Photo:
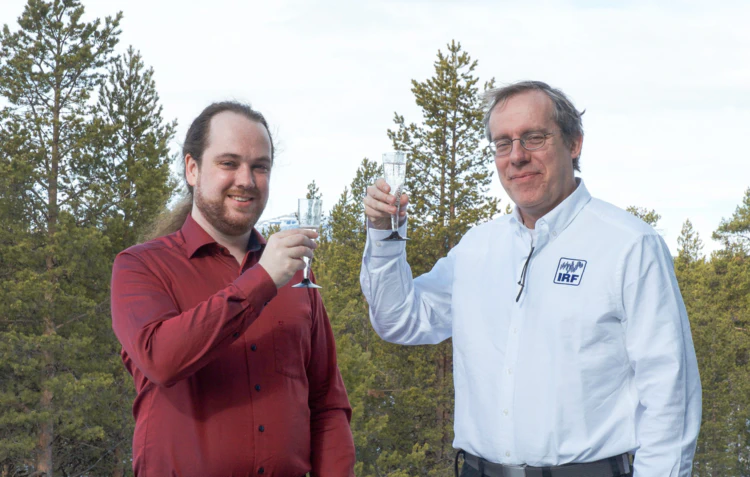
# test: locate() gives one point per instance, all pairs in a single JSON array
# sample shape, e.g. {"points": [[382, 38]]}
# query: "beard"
{"points": [[216, 213]]}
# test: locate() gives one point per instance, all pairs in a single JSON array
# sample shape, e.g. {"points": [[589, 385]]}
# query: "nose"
{"points": [[518, 154], [244, 177]]}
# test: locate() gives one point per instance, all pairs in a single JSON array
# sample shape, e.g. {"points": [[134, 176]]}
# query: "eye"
{"points": [[262, 168], [227, 163], [502, 143], [534, 139], [503, 146]]}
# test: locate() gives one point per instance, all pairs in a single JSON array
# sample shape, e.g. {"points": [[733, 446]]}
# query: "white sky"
{"points": [[666, 88]]}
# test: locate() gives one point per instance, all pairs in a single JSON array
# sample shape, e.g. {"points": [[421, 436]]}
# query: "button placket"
{"points": [[507, 381]]}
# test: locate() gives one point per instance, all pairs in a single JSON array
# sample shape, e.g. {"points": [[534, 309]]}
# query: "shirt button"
{"points": [[515, 330], [377, 244], [507, 454], [257, 387], [505, 411], [261, 428], [236, 335], [554, 233], [253, 347], [261, 470], [510, 371]]}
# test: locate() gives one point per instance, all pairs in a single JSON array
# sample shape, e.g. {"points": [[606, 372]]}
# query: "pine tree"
{"points": [[49, 66], [137, 157], [313, 192], [339, 257], [690, 245], [734, 233], [81, 180], [448, 175], [716, 294], [648, 216]]}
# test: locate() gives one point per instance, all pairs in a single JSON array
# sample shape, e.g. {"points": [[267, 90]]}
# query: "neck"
{"points": [[236, 244], [529, 217]]}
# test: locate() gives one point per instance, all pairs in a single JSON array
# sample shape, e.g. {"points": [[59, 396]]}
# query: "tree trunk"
{"points": [[46, 429], [119, 467]]}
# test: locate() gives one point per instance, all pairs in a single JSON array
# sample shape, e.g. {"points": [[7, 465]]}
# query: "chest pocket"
{"points": [[291, 343]]}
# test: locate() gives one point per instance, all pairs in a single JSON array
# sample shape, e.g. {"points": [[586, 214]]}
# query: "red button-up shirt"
{"points": [[233, 377]]}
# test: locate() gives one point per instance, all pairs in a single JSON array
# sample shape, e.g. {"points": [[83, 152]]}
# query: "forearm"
{"points": [[403, 310], [168, 344], [332, 444]]}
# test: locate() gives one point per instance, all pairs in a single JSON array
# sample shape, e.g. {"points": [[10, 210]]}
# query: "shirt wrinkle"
{"points": [[216, 358], [548, 380]]}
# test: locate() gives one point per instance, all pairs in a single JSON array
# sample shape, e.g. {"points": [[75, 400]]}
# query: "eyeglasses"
{"points": [[530, 142]]}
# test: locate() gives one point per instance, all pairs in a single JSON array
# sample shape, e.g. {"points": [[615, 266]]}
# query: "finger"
{"points": [[380, 195], [288, 233], [300, 251], [404, 199], [297, 240], [313, 234], [382, 185], [377, 209]]}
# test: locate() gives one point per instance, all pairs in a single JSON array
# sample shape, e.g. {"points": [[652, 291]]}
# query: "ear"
{"points": [[191, 170], [575, 146]]}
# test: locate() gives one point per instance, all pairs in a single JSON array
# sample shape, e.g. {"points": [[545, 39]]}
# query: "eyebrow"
{"points": [[528, 131], [237, 157]]}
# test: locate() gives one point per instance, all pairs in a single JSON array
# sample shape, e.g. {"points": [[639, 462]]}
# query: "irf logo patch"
{"points": [[570, 271]]}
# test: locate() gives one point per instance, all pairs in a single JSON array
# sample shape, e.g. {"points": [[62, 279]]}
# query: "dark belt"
{"points": [[611, 467]]}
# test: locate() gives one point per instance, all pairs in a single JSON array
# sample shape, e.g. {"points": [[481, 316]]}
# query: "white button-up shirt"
{"points": [[594, 359]]}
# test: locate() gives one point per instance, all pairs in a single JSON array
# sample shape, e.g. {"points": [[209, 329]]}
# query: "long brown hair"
{"points": [[196, 140]]}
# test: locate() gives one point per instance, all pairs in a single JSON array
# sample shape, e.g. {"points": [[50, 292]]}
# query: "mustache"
{"points": [[244, 191]]}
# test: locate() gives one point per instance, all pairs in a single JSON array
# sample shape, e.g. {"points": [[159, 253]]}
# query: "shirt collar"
{"points": [[556, 220], [196, 238]]}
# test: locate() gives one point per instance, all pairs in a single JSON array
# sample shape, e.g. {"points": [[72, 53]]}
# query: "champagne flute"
{"points": [[394, 173], [308, 214]]}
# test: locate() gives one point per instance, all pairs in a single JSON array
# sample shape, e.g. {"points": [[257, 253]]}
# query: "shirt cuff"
{"points": [[378, 248], [256, 286]]}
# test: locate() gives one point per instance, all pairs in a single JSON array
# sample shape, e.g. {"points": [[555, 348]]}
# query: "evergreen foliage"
{"points": [[83, 167]]}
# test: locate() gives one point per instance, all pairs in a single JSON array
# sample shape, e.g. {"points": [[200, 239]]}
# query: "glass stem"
{"points": [[306, 271], [394, 218]]}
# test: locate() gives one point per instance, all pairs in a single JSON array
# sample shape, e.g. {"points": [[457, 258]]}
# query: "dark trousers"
{"points": [[469, 471]]}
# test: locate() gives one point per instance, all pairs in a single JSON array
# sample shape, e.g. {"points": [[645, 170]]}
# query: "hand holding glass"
{"points": [[308, 214], [394, 173]]}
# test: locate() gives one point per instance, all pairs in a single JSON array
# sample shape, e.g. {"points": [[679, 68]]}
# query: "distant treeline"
{"points": [[84, 170]]}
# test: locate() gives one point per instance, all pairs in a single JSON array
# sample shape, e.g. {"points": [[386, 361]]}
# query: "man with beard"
{"points": [[235, 371]]}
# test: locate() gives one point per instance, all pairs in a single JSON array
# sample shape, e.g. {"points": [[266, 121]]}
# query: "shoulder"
{"points": [[158, 249], [603, 217], [629, 240]]}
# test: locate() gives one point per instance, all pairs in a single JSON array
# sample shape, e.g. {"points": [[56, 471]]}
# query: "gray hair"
{"points": [[566, 116]]}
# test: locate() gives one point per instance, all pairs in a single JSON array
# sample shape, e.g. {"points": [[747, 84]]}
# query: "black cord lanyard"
{"points": [[522, 280]]}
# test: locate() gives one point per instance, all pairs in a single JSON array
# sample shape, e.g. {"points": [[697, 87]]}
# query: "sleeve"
{"points": [[166, 344], [661, 353], [405, 310], [331, 441]]}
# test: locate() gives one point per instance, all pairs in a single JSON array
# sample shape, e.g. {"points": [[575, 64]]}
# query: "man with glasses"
{"points": [[572, 348]]}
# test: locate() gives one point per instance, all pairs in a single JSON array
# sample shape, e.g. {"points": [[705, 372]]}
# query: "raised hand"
{"points": [[380, 205], [282, 257]]}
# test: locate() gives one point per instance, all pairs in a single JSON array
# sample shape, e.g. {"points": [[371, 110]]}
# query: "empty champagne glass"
{"points": [[309, 213], [394, 173]]}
